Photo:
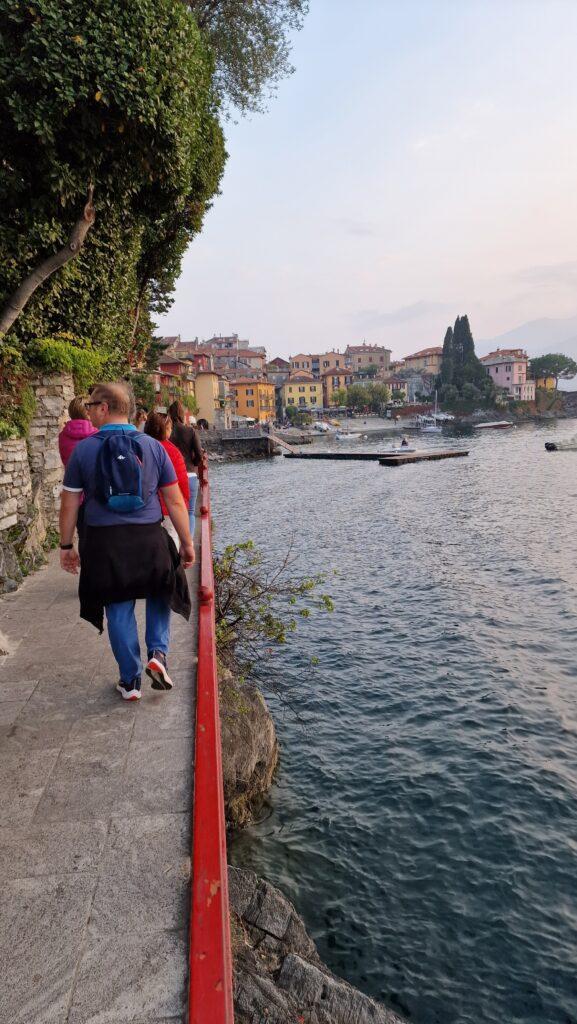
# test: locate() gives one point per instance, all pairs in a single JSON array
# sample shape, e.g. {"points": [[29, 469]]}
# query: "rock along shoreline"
{"points": [[279, 977]]}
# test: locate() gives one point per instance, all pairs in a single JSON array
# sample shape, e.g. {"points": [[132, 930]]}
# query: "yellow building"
{"points": [[302, 391], [213, 399], [428, 359], [333, 380], [545, 382], [254, 398]]}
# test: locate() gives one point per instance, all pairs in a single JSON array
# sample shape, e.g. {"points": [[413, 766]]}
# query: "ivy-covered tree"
{"points": [[109, 128]]}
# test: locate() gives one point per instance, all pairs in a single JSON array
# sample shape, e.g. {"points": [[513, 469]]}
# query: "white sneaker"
{"points": [[131, 690]]}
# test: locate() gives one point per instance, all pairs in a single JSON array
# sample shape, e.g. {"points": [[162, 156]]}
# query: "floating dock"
{"points": [[403, 460], [342, 456], [385, 458]]}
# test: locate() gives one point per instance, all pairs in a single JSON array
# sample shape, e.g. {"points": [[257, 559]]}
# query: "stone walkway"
{"points": [[95, 799]]}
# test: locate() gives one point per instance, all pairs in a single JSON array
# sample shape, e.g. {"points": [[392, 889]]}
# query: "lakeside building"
{"points": [[253, 398], [548, 383], [360, 357], [302, 391], [428, 360], [333, 380], [317, 363], [277, 370], [507, 368], [213, 399]]}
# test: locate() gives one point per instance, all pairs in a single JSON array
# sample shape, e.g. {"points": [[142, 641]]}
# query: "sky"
{"points": [[420, 163]]}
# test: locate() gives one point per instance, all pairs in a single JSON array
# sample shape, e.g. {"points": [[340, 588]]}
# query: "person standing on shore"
{"points": [[126, 554], [186, 440]]}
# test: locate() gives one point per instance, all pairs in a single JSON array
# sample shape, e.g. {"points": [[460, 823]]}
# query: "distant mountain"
{"points": [[537, 337]]}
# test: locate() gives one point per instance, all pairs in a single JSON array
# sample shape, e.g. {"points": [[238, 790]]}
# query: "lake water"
{"points": [[425, 816]]}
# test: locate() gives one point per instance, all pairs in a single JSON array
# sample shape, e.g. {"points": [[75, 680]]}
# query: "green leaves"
{"points": [[259, 603], [121, 96]]}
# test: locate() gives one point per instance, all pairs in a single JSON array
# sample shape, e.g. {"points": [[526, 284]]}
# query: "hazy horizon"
{"points": [[418, 165]]}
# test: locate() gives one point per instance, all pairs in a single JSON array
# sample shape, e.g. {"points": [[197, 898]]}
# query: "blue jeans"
{"points": [[193, 484], [123, 633]]}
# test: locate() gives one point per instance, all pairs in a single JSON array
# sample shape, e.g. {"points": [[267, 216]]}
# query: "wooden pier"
{"points": [[385, 458], [403, 460]]}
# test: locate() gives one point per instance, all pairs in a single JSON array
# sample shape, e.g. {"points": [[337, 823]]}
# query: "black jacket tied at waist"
{"points": [[123, 563]]}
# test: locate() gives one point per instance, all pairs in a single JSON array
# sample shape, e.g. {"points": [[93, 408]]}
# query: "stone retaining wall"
{"points": [[53, 395], [15, 482], [30, 480]]}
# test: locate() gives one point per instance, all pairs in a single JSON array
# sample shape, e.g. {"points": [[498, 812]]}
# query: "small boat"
{"points": [[570, 445], [430, 424], [346, 437], [497, 425]]}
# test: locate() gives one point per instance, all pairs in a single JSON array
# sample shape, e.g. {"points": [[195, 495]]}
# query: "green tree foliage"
{"points": [[555, 365], [119, 96], [339, 397], [251, 43], [370, 397], [447, 360], [258, 603], [463, 378]]}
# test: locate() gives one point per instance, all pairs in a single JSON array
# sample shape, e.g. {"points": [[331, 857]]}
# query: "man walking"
{"points": [[126, 554]]}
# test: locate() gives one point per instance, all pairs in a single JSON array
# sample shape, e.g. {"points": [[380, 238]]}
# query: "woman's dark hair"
{"points": [[155, 426], [176, 412]]}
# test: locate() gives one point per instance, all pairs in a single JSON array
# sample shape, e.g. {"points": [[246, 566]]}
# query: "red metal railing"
{"points": [[210, 985]]}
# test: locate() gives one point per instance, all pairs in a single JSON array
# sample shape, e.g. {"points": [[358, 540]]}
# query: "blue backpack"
{"points": [[119, 472]]}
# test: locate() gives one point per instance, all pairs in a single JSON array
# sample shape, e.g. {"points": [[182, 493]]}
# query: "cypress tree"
{"points": [[459, 334], [447, 360]]}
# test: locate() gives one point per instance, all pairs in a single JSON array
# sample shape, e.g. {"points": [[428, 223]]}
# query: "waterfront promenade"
{"points": [[95, 801]]}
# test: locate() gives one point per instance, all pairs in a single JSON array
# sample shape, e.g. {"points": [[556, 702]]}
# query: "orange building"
{"points": [[254, 398], [333, 380]]}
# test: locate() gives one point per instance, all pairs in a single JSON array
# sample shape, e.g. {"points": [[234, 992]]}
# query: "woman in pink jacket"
{"points": [[77, 428]]}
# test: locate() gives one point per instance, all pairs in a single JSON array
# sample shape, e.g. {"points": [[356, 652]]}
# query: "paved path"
{"points": [[95, 798]]}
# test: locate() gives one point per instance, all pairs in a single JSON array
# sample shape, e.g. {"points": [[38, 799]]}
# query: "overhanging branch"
{"points": [[44, 270]]}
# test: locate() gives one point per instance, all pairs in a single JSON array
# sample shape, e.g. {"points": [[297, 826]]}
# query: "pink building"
{"points": [[507, 368]]}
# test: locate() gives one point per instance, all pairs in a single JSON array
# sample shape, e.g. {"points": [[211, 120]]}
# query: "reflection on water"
{"points": [[425, 817]]}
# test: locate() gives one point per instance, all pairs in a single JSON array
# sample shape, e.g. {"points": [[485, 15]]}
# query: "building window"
{"points": [[250, 391], [508, 369], [313, 401], [496, 369], [250, 404], [337, 363], [290, 389], [326, 364], [301, 389], [313, 387], [291, 401], [302, 401], [382, 359]]}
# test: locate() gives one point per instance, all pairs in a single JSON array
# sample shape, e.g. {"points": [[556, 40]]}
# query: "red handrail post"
{"points": [[210, 980]]}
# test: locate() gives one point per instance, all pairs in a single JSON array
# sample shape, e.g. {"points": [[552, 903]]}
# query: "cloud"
{"points": [[369, 319], [549, 275]]}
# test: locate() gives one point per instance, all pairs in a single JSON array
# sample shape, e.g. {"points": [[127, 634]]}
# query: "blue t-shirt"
{"points": [[80, 475]]}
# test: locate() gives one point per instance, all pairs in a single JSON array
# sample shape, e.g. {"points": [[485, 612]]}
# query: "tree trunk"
{"points": [[25, 291]]}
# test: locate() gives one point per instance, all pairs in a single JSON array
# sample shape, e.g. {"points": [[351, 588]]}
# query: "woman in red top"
{"points": [[160, 427]]}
